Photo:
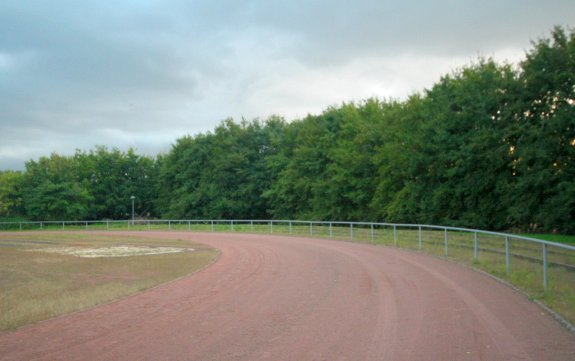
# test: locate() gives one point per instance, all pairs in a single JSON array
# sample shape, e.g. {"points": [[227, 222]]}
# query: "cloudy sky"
{"points": [[141, 73]]}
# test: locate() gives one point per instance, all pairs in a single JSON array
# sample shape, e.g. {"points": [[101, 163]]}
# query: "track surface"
{"points": [[285, 298]]}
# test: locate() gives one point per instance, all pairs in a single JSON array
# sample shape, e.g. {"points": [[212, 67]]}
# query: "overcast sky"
{"points": [[142, 73]]}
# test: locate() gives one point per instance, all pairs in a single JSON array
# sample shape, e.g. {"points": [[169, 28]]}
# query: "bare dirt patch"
{"points": [[117, 251]]}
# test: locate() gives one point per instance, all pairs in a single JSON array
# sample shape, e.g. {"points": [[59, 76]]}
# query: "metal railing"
{"points": [[508, 256]]}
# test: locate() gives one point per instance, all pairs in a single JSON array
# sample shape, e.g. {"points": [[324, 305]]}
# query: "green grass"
{"points": [[36, 285], [559, 238]]}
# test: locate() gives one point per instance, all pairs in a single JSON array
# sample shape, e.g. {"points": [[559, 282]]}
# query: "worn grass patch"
{"points": [[39, 285]]}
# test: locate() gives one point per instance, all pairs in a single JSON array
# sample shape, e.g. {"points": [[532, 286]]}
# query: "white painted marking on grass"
{"points": [[118, 251]]}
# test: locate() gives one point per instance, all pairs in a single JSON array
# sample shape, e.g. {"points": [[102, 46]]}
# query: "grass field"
{"points": [[37, 285]]}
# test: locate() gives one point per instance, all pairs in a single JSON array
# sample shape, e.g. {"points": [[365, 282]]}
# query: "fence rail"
{"points": [[505, 255]]}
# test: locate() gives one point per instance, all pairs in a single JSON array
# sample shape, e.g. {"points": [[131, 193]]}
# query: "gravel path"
{"points": [[286, 298]]}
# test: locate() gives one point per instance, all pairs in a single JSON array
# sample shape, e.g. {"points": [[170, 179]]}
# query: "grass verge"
{"points": [[36, 286], [559, 238]]}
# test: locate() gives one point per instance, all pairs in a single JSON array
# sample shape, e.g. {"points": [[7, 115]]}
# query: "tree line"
{"points": [[489, 146]]}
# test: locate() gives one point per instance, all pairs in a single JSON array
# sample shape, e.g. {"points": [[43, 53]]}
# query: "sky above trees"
{"points": [[143, 73]]}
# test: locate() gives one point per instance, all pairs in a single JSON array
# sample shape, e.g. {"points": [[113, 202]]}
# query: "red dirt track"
{"points": [[287, 298]]}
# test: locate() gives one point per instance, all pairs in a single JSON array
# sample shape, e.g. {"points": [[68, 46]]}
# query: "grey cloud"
{"points": [[337, 31], [78, 73]]}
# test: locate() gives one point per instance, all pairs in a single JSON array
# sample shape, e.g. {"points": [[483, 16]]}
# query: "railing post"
{"points": [[330, 231], [290, 227], [372, 238], [271, 226], [351, 231], [86, 225], [189, 225], [41, 226], [420, 238], [107, 225], [506, 254], [311, 229], [252, 226], [394, 235], [446, 244], [212, 226], [63, 226], [20, 226], [169, 225], [232, 226], [545, 284], [149, 225], [475, 246]]}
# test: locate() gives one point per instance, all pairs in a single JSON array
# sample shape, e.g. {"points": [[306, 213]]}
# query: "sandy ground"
{"points": [[117, 251], [284, 298]]}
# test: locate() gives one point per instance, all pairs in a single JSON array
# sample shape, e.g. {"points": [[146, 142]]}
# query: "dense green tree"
{"points": [[60, 201], [221, 174], [352, 171], [544, 137], [330, 173], [11, 194], [112, 177], [52, 190], [446, 160], [400, 164], [92, 185], [300, 189]]}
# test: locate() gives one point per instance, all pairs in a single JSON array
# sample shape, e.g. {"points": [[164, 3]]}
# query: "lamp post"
{"points": [[132, 198]]}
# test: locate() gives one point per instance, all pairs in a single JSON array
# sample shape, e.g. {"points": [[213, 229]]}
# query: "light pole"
{"points": [[132, 198]]}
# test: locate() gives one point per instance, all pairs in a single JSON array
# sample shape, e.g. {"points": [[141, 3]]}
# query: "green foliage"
{"points": [[10, 194], [51, 190], [330, 172], [93, 185], [50, 201], [544, 133], [112, 177], [446, 160], [221, 174]]}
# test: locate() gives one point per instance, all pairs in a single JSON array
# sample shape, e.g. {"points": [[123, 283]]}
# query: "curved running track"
{"points": [[286, 298]]}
